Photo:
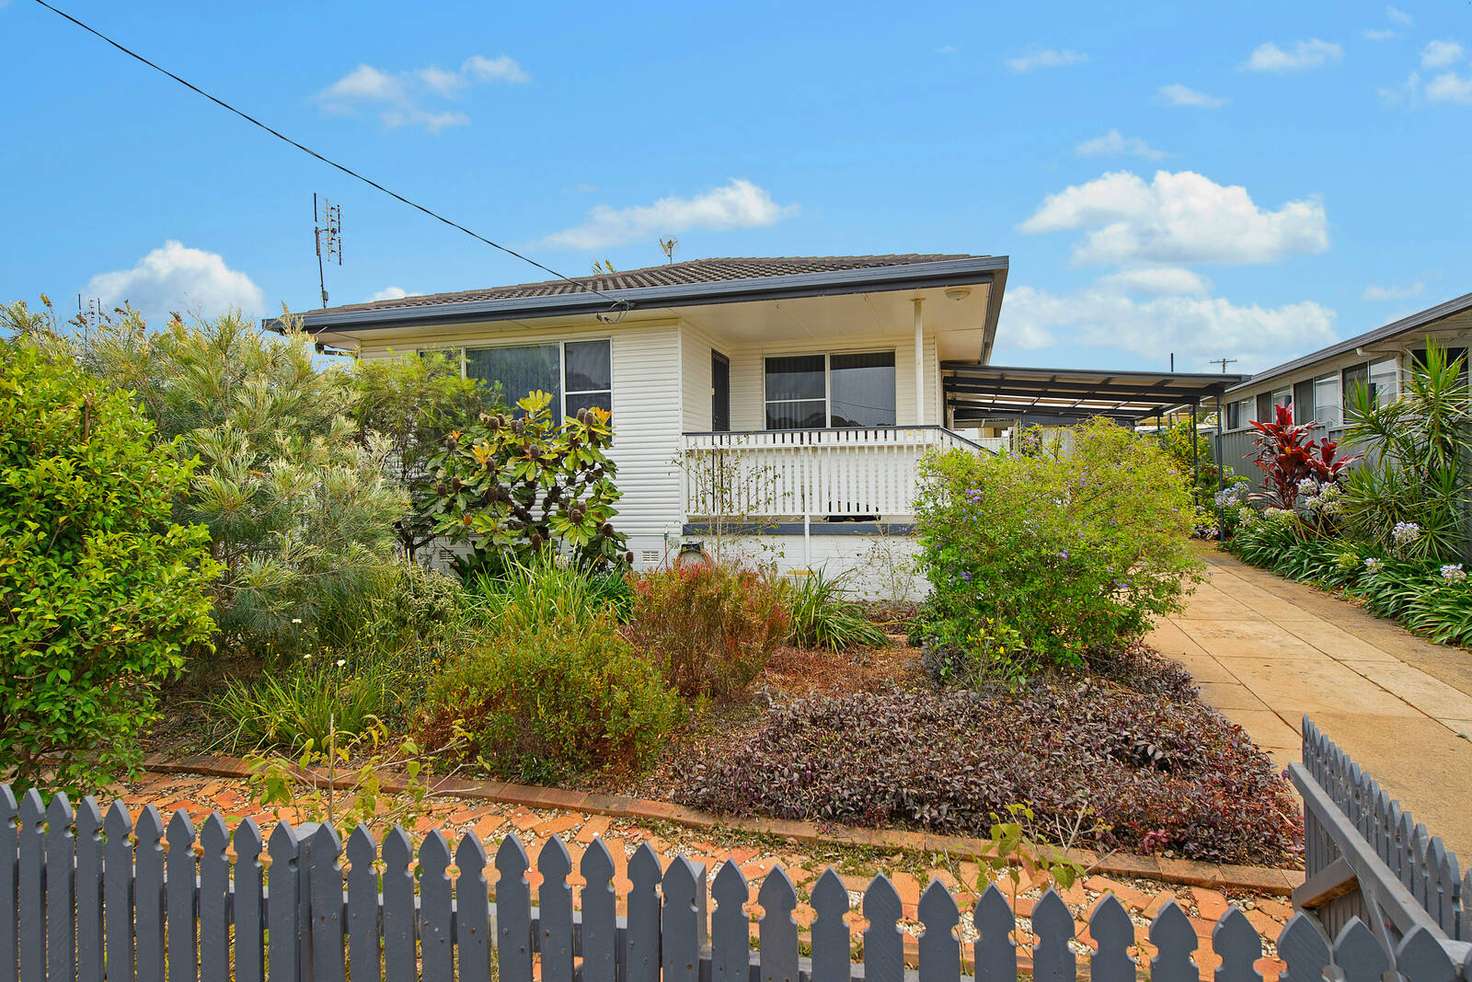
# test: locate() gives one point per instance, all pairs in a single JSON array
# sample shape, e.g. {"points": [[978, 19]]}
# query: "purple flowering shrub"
{"points": [[1047, 558]]}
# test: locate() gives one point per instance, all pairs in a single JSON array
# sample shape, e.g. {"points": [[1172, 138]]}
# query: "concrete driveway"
{"points": [[1266, 650]]}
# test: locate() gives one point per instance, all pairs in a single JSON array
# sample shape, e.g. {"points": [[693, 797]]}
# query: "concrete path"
{"points": [[1265, 650]]}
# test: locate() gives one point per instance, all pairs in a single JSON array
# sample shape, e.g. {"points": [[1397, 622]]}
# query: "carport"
{"points": [[998, 395]]}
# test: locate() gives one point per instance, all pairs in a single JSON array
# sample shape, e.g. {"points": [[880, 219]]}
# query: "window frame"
{"points": [[561, 344], [1394, 362], [828, 386], [1337, 402], [1246, 409]]}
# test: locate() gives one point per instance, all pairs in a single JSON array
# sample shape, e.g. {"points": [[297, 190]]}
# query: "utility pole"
{"points": [[327, 231]]}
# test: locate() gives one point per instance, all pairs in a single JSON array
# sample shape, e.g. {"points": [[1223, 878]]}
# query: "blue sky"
{"points": [[1249, 181]]}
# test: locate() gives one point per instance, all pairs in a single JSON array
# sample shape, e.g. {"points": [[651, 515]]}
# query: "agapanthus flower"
{"points": [[1453, 573], [1373, 565], [1405, 533]]}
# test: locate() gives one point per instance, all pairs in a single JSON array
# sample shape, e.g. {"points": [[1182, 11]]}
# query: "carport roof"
{"points": [[980, 392]]}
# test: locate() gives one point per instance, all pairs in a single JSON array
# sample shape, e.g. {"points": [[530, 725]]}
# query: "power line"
{"points": [[621, 305]]}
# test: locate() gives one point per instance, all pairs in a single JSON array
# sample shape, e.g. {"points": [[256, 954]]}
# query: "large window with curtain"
{"points": [[816, 391], [579, 374]]}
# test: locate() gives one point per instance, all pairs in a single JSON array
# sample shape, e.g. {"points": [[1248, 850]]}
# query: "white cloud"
{"points": [[1116, 144], [1440, 54], [1402, 291], [1167, 280], [1397, 16], [392, 293], [1178, 217], [1046, 58], [1195, 328], [406, 98], [1406, 93], [176, 278], [737, 204], [947, 49], [1179, 95], [1378, 34], [502, 68], [1299, 56], [1450, 87]]}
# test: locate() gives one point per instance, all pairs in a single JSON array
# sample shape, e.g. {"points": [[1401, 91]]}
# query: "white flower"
{"points": [[1405, 533], [1308, 486], [307, 656], [1453, 573], [296, 620], [1373, 565], [341, 662]]}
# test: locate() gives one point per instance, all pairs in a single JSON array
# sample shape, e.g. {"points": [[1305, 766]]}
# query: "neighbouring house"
{"points": [[1318, 385], [778, 405]]}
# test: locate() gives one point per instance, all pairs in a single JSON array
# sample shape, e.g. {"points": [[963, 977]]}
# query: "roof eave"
{"points": [[980, 269], [1456, 305]]}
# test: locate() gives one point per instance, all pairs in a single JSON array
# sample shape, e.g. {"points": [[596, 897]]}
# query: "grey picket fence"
{"points": [[1367, 858], [85, 898]]}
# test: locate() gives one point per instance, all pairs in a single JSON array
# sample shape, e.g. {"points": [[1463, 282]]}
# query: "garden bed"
{"points": [[1125, 756]]}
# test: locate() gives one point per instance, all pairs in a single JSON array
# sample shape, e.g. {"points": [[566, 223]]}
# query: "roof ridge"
{"points": [[712, 269]]}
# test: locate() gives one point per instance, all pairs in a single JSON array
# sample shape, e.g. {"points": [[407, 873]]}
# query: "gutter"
{"points": [[914, 276], [1361, 343]]}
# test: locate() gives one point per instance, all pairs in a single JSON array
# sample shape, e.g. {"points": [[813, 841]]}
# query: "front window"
{"points": [[814, 391], [579, 374], [861, 389], [796, 393], [1326, 400]]}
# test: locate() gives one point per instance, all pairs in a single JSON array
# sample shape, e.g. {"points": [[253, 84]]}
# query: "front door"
{"points": [[720, 392]]}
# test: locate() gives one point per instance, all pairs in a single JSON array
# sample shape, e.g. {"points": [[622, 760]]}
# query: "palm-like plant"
{"points": [[1416, 472]]}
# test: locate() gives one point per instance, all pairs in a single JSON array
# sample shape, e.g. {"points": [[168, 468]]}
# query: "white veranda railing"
{"points": [[845, 472]]}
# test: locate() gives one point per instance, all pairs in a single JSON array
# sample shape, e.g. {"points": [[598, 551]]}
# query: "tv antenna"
{"points": [[668, 246], [1224, 362], [89, 314], [327, 230]]}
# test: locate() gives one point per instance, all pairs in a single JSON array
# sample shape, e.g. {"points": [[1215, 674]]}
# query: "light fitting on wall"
{"points": [[958, 293]]}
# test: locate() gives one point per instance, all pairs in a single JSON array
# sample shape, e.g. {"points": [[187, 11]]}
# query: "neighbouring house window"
{"points": [[814, 391], [861, 389], [1351, 379], [1384, 381], [1283, 397], [1238, 413], [579, 374], [1327, 405], [1264, 412]]}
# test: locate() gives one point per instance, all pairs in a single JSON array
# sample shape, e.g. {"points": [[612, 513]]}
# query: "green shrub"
{"points": [[549, 586], [300, 514], [822, 615], [1075, 551], [515, 485], [553, 689], [711, 629], [1410, 494], [102, 592], [286, 706], [414, 402]]}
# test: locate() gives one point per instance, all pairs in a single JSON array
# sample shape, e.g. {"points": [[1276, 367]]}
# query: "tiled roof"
{"points": [[692, 271]]}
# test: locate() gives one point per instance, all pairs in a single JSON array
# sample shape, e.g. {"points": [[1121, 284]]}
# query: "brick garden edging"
{"points": [[1258, 879]]}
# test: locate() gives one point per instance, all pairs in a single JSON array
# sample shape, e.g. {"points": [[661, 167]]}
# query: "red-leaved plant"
{"points": [[1287, 453]]}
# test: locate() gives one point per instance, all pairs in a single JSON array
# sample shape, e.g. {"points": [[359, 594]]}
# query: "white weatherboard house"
{"points": [[787, 400]]}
